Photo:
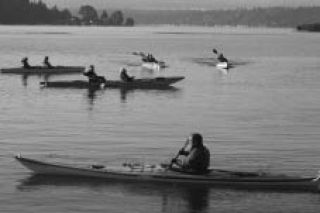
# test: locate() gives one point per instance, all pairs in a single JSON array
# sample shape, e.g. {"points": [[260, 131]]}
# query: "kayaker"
{"points": [[151, 58], [93, 77], [124, 75], [220, 56], [91, 74], [145, 58], [196, 159], [47, 63], [25, 63]]}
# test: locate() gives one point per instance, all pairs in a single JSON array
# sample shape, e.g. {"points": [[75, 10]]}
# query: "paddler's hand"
{"points": [[174, 160], [182, 152]]}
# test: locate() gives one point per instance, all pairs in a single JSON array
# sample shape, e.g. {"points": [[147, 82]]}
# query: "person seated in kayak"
{"points": [[47, 63], [196, 159], [124, 75], [221, 58], [25, 63], [93, 77], [145, 58], [151, 58]]}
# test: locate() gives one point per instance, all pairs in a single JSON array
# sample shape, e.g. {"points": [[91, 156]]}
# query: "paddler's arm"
{"points": [[177, 161]]}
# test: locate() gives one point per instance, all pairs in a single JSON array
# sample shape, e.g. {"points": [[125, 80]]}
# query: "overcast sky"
{"points": [[181, 4]]}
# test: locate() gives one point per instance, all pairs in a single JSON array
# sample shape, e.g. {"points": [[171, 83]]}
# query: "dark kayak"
{"points": [[145, 83], [155, 173], [44, 70]]}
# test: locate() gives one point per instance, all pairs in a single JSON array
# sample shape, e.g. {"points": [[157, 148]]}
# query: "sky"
{"points": [[180, 4]]}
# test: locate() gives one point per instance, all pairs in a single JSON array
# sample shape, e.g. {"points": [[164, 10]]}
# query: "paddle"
{"points": [[178, 154], [220, 58], [142, 54], [215, 51]]}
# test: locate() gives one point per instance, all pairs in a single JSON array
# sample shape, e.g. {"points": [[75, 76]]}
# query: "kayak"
{"points": [[144, 83], [154, 65], [223, 65], [44, 70], [156, 173]]}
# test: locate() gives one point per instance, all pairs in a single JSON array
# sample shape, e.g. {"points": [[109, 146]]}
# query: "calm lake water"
{"points": [[261, 115]]}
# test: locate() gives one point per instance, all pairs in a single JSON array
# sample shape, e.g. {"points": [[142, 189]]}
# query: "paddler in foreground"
{"points": [[220, 56], [195, 160], [93, 77]]}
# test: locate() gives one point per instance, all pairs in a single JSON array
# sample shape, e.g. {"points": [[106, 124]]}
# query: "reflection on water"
{"points": [[135, 196], [92, 93], [173, 197], [197, 198], [163, 197], [166, 90], [223, 72], [25, 80], [25, 77], [45, 77]]}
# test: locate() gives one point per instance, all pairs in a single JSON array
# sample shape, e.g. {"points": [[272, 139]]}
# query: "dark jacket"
{"points": [[125, 77], [25, 63], [92, 76], [47, 63], [221, 58], [197, 159]]}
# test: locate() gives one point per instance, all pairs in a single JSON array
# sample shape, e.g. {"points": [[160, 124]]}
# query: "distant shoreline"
{"points": [[309, 27], [274, 17], [261, 17]]}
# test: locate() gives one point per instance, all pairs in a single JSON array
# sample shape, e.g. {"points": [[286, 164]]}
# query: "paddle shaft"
{"points": [[215, 51], [178, 154]]}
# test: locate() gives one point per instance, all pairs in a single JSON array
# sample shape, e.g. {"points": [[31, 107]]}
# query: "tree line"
{"points": [[89, 16], [31, 12], [37, 12], [267, 17]]}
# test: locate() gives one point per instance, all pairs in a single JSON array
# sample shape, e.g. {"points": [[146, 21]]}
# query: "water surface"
{"points": [[261, 115]]}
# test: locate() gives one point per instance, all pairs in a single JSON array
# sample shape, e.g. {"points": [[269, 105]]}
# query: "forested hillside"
{"points": [[270, 17]]}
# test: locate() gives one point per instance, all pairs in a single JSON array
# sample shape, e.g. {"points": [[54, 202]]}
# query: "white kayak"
{"points": [[154, 173], [154, 65], [44, 70], [223, 65]]}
